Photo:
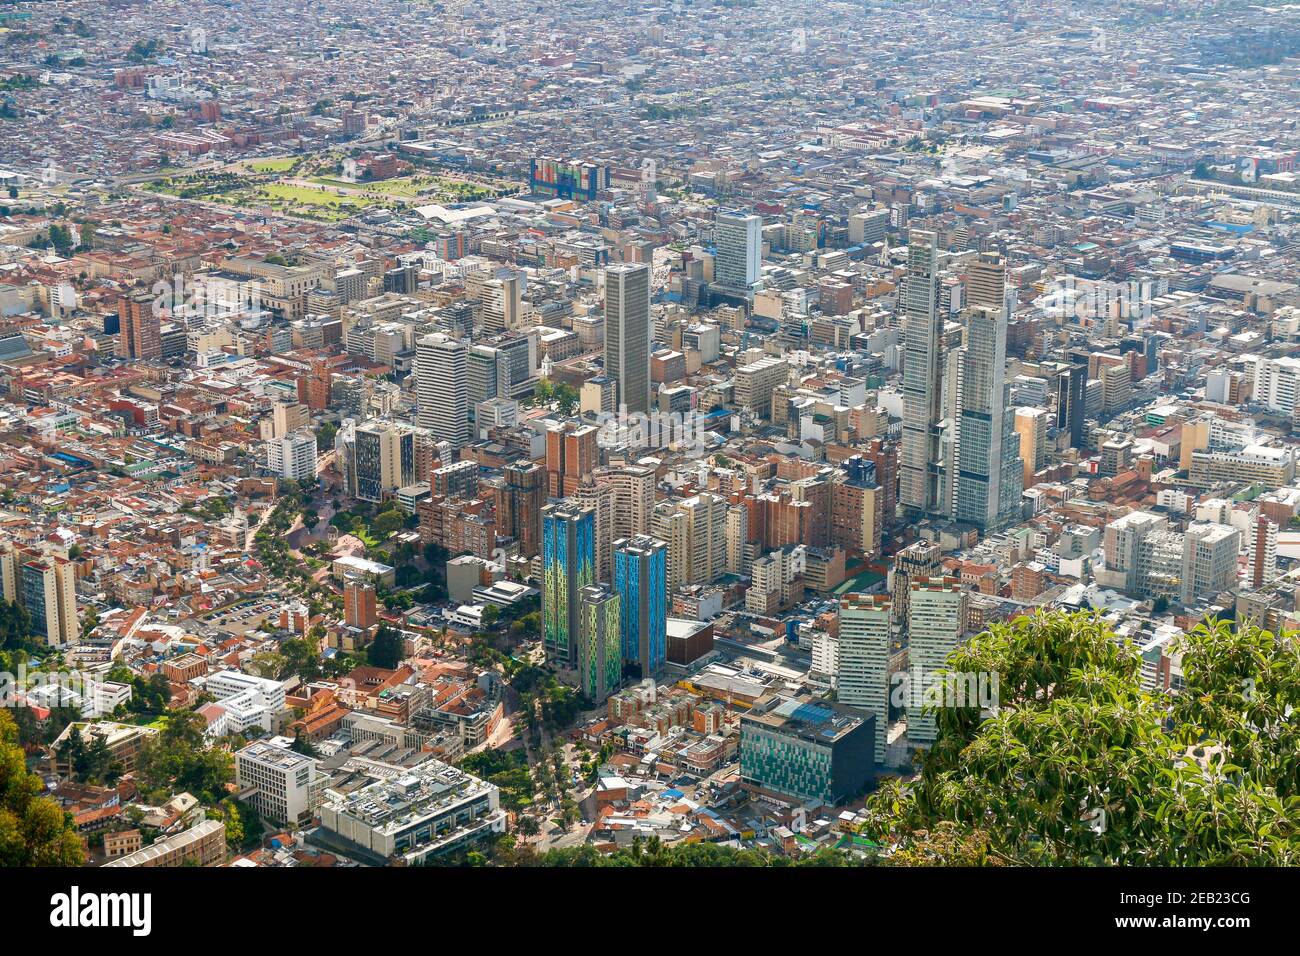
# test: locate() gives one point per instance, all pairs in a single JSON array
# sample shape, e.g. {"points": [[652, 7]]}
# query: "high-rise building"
{"points": [[293, 456], [857, 508], [921, 461], [628, 333], [519, 511], [1209, 560], [600, 650], [599, 499], [568, 566], [641, 580], [441, 380], [1072, 401], [285, 417], [383, 459], [359, 604], [936, 620], [1031, 431], [141, 335], [738, 238], [918, 561], [862, 670], [506, 368], [47, 589], [571, 456], [987, 284], [695, 530], [1263, 552], [989, 473], [502, 305], [634, 497]]}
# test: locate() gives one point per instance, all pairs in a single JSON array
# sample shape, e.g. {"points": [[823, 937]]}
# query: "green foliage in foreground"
{"points": [[506, 852], [1081, 766], [34, 831]]}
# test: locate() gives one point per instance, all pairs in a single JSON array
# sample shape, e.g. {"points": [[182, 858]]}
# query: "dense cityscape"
{"points": [[714, 433]]}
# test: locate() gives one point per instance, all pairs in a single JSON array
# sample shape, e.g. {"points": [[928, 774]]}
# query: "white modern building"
{"points": [[442, 388], [738, 239], [936, 620], [862, 674], [284, 787]]}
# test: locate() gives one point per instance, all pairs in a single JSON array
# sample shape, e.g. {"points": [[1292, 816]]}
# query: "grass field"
{"points": [[280, 164], [323, 197]]}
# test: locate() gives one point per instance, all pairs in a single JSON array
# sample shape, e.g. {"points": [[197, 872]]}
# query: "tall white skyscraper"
{"points": [[936, 619], [989, 473], [862, 670], [442, 388], [920, 488], [738, 239], [627, 333]]}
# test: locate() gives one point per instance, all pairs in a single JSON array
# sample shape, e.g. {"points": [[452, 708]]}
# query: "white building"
{"points": [[286, 786], [293, 456], [243, 702], [866, 641], [738, 238], [442, 388], [936, 619]]}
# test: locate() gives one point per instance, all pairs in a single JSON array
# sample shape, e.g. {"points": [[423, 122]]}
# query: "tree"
{"points": [[180, 758], [34, 831], [388, 523], [301, 745], [1079, 765], [302, 655], [387, 649]]}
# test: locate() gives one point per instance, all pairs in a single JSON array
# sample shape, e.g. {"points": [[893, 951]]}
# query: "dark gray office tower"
{"points": [[627, 333]]}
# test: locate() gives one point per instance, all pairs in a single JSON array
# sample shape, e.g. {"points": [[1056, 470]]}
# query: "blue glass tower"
{"points": [[641, 581], [568, 566]]}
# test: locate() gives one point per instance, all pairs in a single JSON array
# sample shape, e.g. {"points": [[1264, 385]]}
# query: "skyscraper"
{"points": [[987, 283], [600, 651], [920, 464], [738, 239], [936, 619], [918, 561], [501, 304], [989, 471], [441, 381], [141, 334], [866, 643], [519, 512], [1071, 399], [641, 580], [568, 566], [47, 590], [383, 459], [627, 333]]}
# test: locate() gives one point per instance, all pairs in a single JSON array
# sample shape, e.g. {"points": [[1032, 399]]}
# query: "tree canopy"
{"points": [[34, 831], [1083, 764]]}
